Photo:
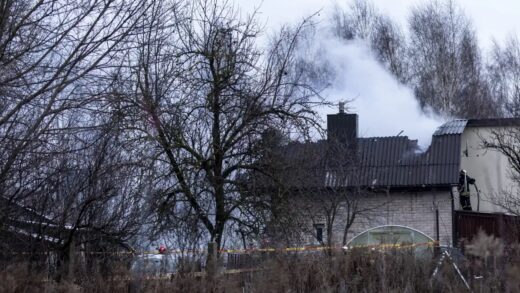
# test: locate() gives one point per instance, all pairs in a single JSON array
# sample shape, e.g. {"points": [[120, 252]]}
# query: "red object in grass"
{"points": [[162, 249]]}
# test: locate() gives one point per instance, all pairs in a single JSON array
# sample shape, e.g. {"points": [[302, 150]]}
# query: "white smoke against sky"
{"points": [[384, 106]]}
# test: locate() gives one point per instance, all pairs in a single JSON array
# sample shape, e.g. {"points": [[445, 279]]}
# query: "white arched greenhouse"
{"points": [[392, 236]]}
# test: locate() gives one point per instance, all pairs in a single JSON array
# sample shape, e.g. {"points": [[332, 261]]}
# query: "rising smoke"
{"points": [[385, 106]]}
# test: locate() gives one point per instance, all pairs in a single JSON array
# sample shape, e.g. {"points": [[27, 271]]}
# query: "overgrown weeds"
{"points": [[489, 267]]}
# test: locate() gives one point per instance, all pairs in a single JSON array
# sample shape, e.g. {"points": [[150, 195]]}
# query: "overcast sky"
{"points": [[492, 18], [385, 107]]}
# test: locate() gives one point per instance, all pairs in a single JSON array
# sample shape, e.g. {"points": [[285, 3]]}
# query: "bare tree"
{"points": [[361, 20], [52, 55], [312, 64], [88, 197], [64, 180], [504, 76], [314, 186], [389, 44], [338, 197], [447, 70], [357, 22], [96, 195], [507, 142], [204, 100], [439, 58]]}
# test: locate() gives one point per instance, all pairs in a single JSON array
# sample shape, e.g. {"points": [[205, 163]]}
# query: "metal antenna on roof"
{"points": [[400, 132]]}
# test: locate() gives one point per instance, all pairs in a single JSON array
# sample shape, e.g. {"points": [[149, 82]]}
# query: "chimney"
{"points": [[343, 127]]}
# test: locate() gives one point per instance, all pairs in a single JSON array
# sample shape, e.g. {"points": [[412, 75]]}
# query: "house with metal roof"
{"points": [[403, 185], [26, 231]]}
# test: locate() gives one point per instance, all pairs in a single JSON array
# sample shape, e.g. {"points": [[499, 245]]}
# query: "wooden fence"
{"points": [[469, 223]]}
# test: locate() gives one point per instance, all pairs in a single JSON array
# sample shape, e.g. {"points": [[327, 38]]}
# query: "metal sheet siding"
{"points": [[396, 161], [392, 161], [468, 224]]}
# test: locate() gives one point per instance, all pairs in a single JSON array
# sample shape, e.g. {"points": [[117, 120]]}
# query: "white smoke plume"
{"points": [[385, 107]]}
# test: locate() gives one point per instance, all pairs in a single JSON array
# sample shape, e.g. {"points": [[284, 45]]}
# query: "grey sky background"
{"points": [[493, 19], [385, 107]]}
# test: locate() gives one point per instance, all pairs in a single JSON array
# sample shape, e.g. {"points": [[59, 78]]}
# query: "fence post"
{"points": [[71, 262], [437, 249], [211, 262]]}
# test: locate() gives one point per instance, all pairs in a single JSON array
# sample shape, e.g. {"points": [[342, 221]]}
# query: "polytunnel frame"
{"points": [[386, 226]]}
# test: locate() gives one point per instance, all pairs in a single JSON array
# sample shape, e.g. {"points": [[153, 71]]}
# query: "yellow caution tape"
{"points": [[251, 250]]}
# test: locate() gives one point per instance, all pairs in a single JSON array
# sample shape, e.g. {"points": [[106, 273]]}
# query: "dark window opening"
{"points": [[319, 232]]}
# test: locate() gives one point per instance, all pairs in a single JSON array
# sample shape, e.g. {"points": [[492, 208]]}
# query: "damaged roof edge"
{"points": [[451, 127]]}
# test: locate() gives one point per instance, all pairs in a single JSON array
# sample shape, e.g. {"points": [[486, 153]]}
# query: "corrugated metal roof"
{"points": [[379, 162], [452, 127], [396, 162]]}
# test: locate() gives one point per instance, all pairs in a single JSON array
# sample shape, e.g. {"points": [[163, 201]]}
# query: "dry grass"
{"points": [[357, 271]]}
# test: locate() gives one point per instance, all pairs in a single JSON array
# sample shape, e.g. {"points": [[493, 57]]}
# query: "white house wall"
{"points": [[412, 209], [489, 168]]}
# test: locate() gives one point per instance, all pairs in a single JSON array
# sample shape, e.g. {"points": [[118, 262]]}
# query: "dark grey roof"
{"points": [[394, 161], [397, 162], [379, 162], [491, 122], [452, 127]]}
